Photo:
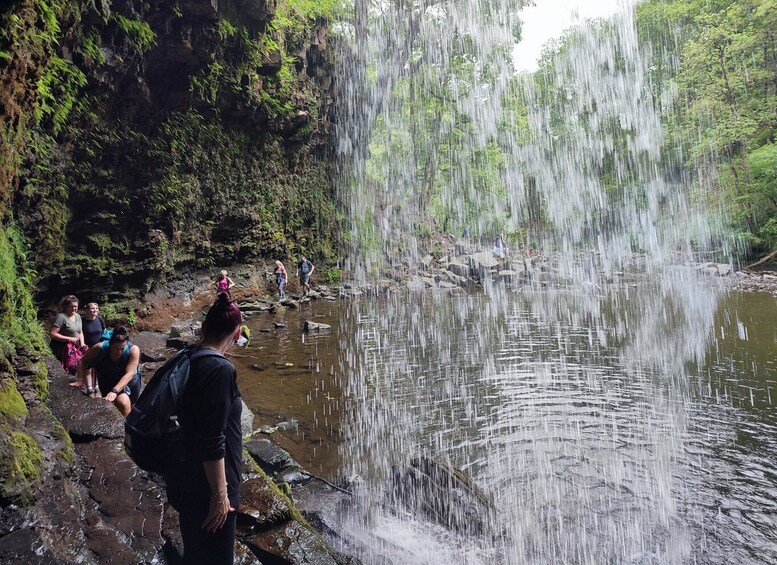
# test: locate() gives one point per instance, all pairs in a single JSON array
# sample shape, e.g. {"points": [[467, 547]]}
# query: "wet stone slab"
{"points": [[128, 505], [83, 417]]}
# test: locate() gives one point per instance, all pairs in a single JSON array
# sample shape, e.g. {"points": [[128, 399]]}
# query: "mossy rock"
{"points": [[11, 402], [20, 466]]}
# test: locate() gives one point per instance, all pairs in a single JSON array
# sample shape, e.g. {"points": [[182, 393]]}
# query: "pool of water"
{"points": [[623, 423]]}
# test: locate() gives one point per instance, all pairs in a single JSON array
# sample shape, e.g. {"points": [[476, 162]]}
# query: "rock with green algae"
{"points": [[11, 402], [21, 464]]}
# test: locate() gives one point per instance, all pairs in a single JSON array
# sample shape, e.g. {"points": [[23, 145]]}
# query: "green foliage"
{"points": [[90, 47], [108, 313], [138, 32], [295, 17], [58, 92], [19, 327], [762, 193], [131, 318], [226, 29], [726, 81], [333, 276]]}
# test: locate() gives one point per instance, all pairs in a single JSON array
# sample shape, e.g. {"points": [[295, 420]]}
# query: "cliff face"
{"points": [[138, 137], [177, 134]]}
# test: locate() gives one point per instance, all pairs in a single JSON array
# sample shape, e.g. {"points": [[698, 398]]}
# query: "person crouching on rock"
{"points": [[116, 368], [205, 489]]}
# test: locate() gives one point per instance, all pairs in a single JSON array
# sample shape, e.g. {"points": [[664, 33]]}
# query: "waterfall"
{"points": [[565, 403], [439, 133]]}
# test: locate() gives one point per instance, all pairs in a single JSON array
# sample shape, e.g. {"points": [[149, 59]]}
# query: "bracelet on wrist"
{"points": [[221, 493], [116, 392]]}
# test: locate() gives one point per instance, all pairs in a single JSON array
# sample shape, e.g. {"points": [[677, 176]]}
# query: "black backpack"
{"points": [[153, 436]]}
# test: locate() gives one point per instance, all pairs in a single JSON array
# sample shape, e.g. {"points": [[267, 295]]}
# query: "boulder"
{"points": [[180, 342], [458, 269], [289, 303], [316, 327], [269, 456], [482, 261], [416, 283], [291, 542], [444, 494], [254, 306], [429, 282], [262, 504], [246, 420], [724, 269]]}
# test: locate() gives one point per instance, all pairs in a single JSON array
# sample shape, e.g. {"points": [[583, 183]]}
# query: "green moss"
{"points": [[40, 381], [66, 454], [20, 465], [11, 402]]}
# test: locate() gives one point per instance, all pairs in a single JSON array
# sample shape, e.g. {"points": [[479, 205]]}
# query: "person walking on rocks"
{"points": [[304, 269], [500, 250], [116, 365], [224, 283], [205, 489], [280, 278]]}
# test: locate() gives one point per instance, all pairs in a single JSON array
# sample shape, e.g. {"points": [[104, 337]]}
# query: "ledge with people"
{"points": [[203, 488]]}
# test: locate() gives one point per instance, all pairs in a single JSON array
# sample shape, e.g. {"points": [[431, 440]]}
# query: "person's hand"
{"points": [[111, 396], [74, 340], [218, 509]]}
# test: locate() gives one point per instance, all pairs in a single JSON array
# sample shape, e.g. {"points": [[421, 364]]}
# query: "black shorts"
{"points": [[304, 279], [132, 389]]}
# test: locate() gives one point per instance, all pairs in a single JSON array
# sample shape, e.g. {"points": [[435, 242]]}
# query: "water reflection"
{"points": [[625, 424]]}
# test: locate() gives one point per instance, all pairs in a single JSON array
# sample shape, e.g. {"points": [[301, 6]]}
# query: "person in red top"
{"points": [[224, 283]]}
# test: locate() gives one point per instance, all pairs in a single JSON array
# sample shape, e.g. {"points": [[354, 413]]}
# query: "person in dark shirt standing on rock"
{"points": [[205, 489], [304, 269], [93, 325]]}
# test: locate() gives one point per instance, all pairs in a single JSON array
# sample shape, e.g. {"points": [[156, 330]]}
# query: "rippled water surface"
{"points": [[629, 423]]}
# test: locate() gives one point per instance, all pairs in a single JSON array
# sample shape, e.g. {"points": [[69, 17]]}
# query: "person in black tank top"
{"points": [[93, 324], [116, 368]]}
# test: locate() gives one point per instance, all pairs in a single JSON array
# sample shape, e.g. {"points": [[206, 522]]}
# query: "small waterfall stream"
{"points": [[571, 404]]}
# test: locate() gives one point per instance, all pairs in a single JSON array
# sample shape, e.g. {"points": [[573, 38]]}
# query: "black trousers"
{"points": [[204, 548]]}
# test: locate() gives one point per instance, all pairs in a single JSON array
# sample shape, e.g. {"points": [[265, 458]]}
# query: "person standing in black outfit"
{"points": [[205, 489], [93, 325]]}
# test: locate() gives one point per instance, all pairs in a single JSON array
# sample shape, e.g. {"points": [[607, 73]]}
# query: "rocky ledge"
{"points": [[91, 504]]}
